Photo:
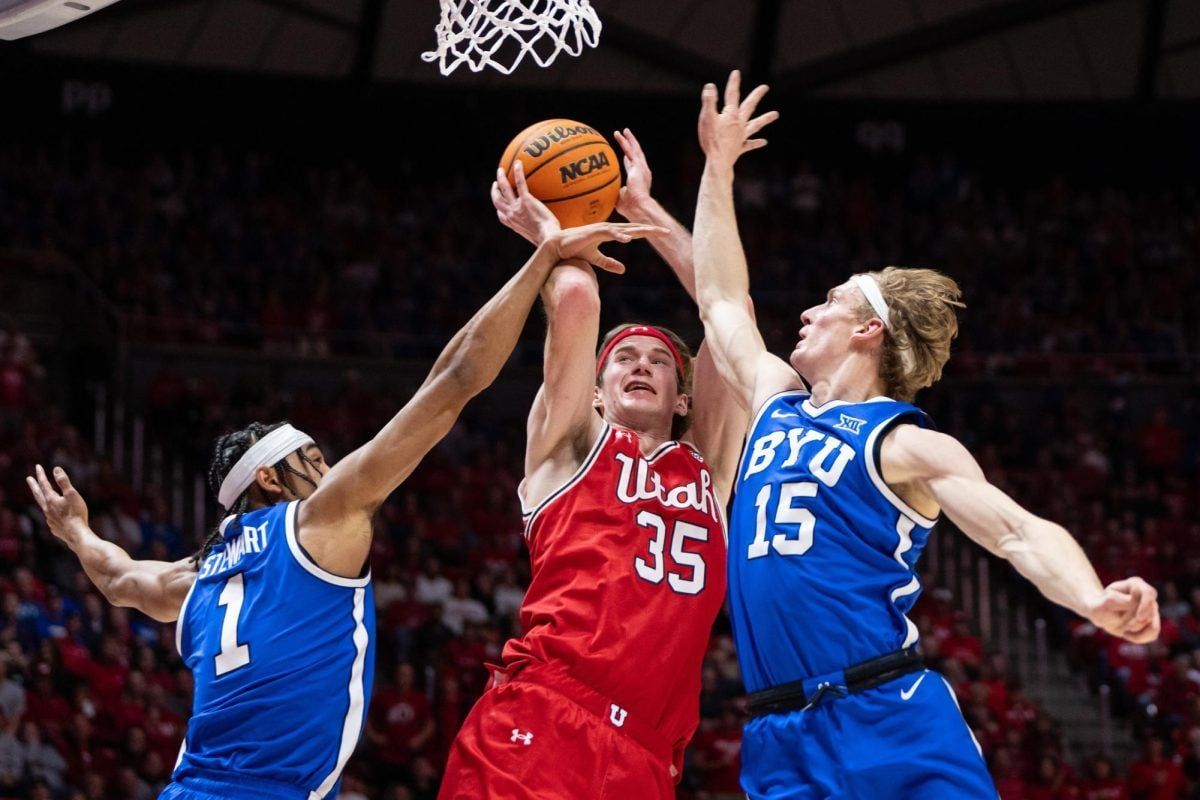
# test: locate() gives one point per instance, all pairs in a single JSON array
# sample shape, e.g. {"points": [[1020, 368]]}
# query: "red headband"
{"points": [[639, 330]]}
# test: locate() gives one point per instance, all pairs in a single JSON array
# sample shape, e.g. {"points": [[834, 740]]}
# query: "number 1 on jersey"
{"points": [[233, 655], [785, 514]]}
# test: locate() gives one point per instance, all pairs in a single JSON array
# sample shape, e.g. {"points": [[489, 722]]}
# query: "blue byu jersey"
{"points": [[283, 656], [821, 551]]}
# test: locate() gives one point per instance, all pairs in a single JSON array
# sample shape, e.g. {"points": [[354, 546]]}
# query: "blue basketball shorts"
{"points": [[232, 787], [905, 739]]}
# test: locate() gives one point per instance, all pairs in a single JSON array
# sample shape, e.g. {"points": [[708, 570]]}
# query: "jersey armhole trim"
{"points": [[754, 425], [304, 560], [874, 442], [179, 621], [531, 516]]}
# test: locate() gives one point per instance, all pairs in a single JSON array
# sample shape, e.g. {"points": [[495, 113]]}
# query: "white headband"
{"points": [[870, 289], [266, 452]]}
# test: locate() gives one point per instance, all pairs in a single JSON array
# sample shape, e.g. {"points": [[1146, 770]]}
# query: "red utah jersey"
{"points": [[628, 575]]}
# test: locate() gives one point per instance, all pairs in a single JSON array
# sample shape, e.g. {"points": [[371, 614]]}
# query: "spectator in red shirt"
{"points": [[717, 753], [1021, 711], [1154, 776], [1054, 781], [400, 725], [1160, 441], [1009, 783], [962, 644], [44, 705], [1102, 784]]}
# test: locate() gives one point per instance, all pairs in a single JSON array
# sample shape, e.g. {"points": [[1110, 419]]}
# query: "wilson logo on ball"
{"points": [[569, 166], [583, 166], [542, 143]]}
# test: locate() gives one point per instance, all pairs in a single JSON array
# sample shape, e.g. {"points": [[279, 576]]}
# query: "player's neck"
{"points": [[854, 380], [649, 442], [649, 439]]}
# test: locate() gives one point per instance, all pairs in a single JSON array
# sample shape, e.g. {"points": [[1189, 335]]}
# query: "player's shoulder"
{"points": [[782, 404], [688, 450]]}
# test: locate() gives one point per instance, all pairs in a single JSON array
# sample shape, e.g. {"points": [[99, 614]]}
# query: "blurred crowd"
{"points": [[257, 250], [248, 251]]}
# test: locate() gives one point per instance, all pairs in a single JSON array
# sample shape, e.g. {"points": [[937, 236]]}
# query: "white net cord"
{"points": [[500, 33]]}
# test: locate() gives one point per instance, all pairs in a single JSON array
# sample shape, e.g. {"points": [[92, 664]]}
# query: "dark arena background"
{"points": [[219, 211]]}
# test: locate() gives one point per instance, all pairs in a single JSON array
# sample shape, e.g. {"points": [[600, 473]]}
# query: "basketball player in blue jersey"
{"points": [[275, 615], [838, 489]]}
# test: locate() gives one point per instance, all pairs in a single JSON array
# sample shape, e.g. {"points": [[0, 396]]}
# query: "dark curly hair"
{"points": [[227, 449]]}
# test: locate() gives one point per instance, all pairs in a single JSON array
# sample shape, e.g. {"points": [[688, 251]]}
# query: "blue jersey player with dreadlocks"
{"points": [[839, 487], [275, 615]]}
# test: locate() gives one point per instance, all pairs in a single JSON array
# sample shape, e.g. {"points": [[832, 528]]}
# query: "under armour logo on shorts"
{"points": [[524, 738], [617, 715]]}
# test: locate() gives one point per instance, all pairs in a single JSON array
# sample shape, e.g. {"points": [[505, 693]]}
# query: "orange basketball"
{"points": [[570, 167]]}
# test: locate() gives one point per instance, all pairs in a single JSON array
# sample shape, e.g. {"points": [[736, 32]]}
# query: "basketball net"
{"points": [[500, 33]]}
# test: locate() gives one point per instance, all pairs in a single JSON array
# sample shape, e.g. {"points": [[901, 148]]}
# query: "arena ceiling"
{"points": [[873, 49]]}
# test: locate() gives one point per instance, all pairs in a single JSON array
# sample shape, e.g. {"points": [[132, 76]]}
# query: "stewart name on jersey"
{"points": [[283, 658]]}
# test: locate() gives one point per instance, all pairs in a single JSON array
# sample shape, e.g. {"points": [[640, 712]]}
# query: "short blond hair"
{"points": [[683, 378], [923, 306]]}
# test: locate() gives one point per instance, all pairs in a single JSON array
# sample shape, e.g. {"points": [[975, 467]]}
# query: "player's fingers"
{"points": [[753, 144], [36, 491], [64, 482], [606, 263], [620, 137], [634, 144], [1144, 633], [43, 482], [733, 89], [503, 185], [752, 100], [761, 121], [1147, 609], [638, 231], [497, 198], [627, 231], [708, 98], [519, 179]]}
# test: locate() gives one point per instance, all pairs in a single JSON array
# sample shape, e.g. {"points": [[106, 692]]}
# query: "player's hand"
{"points": [[66, 513], [584, 242], [519, 210], [635, 194], [727, 133], [1128, 609]]}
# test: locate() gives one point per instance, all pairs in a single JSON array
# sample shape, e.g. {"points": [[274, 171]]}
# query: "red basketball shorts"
{"points": [[548, 736]]}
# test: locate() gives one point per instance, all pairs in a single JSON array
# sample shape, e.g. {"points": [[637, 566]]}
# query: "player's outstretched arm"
{"points": [[719, 422], [1044, 552], [562, 422], [334, 523], [156, 588], [718, 416], [722, 278]]}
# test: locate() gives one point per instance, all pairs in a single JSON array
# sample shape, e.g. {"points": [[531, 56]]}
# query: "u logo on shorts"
{"points": [[617, 715]]}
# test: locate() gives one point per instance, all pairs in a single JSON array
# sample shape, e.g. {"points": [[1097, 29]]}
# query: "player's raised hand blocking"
{"points": [[529, 217], [635, 194], [584, 242], [728, 132], [1128, 609]]}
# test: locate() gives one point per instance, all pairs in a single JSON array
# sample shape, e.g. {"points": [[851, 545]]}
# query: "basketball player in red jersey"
{"points": [[625, 525]]}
